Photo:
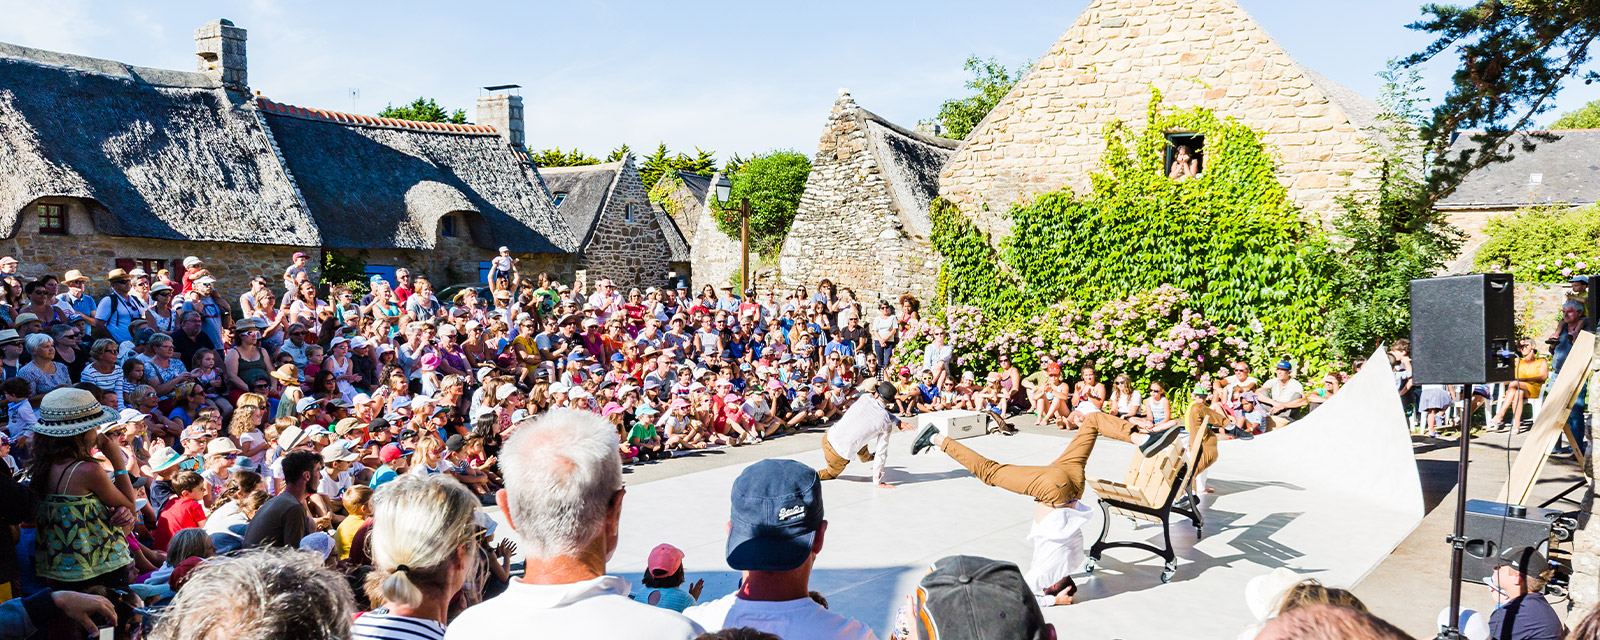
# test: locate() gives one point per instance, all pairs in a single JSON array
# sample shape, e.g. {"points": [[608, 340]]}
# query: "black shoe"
{"points": [[1238, 433], [924, 439], [1158, 441]]}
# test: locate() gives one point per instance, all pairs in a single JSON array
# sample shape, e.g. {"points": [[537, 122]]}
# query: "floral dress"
{"points": [[75, 539]]}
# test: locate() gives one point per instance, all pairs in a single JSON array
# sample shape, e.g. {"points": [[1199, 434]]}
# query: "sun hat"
{"points": [[973, 598], [24, 318], [204, 280], [68, 412], [317, 431], [1262, 592], [243, 463], [400, 403], [318, 542], [505, 391], [732, 398], [290, 437], [556, 387], [665, 560], [680, 403], [579, 393], [117, 274], [220, 446], [430, 362], [645, 411], [164, 458], [159, 287], [8, 336], [346, 425], [775, 513], [74, 275], [338, 452], [611, 409]]}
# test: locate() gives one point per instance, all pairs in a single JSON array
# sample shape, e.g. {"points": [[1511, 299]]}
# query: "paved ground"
{"points": [[1408, 589]]}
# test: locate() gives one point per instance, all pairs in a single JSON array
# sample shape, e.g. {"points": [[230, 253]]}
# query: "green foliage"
{"points": [[773, 182], [990, 82], [1543, 244], [619, 153], [1587, 117], [663, 162], [1385, 239], [558, 158], [735, 164], [339, 270], [424, 110], [661, 194], [1230, 239], [1514, 56]]}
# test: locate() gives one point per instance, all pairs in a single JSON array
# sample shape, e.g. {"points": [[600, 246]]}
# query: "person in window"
{"points": [[1184, 165]]}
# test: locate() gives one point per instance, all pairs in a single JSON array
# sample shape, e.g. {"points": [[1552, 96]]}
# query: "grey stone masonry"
{"points": [[503, 111], [628, 245], [220, 53]]}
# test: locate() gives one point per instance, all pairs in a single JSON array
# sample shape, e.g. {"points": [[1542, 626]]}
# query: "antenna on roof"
{"points": [[355, 94], [508, 88]]}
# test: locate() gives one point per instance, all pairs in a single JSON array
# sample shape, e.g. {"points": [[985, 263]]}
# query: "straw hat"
{"points": [[290, 437], [1262, 592], [287, 374], [74, 275], [68, 412]]}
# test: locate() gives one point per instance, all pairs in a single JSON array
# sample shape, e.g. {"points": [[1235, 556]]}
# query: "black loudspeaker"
{"points": [[1492, 528], [1593, 305], [1463, 329]]}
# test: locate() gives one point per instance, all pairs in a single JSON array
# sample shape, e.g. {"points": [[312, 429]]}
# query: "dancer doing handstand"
{"points": [[1057, 531], [863, 431]]}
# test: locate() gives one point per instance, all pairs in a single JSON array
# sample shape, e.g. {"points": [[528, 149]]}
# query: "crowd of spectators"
{"points": [[197, 465]]}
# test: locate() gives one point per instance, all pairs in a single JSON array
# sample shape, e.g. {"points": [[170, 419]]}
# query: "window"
{"points": [[1185, 155], [150, 265], [447, 226], [383, 271], [52, 219], [559, 196], [483, 271], [627, 212]]}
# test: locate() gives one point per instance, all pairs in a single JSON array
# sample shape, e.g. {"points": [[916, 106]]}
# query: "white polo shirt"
{"points": [[789, 619], [597, 608]]}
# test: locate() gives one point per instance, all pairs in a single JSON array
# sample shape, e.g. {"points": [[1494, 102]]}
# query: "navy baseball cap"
{"points": [[777, 510]]}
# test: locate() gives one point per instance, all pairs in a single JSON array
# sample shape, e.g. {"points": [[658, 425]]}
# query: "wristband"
{"points": [[119, 472]]}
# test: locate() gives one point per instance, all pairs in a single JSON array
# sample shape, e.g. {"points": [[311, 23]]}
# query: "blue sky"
{"points": [[726, 76]]}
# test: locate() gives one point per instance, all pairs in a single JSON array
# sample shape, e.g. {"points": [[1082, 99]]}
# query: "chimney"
{"points": [[501, 108], [219, 47]]}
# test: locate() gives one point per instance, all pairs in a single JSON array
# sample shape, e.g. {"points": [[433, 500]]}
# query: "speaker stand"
{"points": [[1458, 541]]}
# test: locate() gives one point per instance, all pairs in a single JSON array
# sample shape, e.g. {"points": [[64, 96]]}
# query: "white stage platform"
{"points": [[1333, 518]]}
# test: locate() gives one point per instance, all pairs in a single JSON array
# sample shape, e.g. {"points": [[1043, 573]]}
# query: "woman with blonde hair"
{"points": [[424, 548]]}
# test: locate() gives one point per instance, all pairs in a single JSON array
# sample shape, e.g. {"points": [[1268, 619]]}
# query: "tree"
{"points": [[618, 153], [663, 161], [991, 81], [773, 183], [424, 110], [735, 164], [1515, 55], [558, 158], [1385, 239], [1587, 117]]}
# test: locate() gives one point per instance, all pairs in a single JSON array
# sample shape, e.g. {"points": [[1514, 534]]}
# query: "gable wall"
{"points": [[846, 229], [713, 256], [631, 254], [1047, 133]]}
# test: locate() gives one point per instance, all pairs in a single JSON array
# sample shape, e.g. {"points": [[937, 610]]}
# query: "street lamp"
{"points": [[725, 191]]}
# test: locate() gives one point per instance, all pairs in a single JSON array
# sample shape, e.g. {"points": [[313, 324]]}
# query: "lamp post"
{"points": [[725, 191]]}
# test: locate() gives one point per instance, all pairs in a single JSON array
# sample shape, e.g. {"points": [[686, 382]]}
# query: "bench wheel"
{"points": [[1168, 571], [1090, 565]]}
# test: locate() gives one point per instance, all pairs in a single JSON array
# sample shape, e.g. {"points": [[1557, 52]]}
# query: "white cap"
{"points": [[190, 262], [338, 452], [204, 280], [505, 250]]}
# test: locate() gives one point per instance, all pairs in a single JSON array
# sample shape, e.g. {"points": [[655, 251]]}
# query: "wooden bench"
{"points": [[1148, 492]]}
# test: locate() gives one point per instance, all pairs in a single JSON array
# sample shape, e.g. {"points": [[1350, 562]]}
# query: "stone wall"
{"points": [[713, 255], [632, 253], [847, 228], [1047, 132]]}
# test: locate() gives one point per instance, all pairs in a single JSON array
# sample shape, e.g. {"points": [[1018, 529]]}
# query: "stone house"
{"points": [[1047, 133], [863, 218], [619, 235], [713, 255], [104, 165], [1561, 172]]}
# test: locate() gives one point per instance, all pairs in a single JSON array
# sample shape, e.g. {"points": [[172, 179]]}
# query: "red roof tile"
{"points": [[357, 119]]}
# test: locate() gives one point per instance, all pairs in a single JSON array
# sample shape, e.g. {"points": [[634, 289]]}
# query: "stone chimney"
{"points": [[502, 110], [219, 49]]}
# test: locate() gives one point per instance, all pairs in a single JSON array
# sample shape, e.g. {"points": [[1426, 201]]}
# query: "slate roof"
{"points": [[382, 183], [1565, 171], [161, 154], [698, 185], [588, 188]]}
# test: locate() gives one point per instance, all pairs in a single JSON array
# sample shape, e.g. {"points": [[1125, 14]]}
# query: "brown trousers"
{"points": [[836, 462], [1057, 483], [1196, 421]]}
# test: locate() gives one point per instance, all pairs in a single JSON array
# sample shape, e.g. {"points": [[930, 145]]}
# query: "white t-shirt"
{"points": [[1284, 391], [597, 608], [791, 619], [333, 487]]}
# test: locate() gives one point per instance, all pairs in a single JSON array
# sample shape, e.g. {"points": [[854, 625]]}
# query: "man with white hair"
{"points": [[863, 432], [563, 495]]}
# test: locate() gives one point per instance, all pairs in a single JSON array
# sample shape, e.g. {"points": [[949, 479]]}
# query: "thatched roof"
{"points": [[380, 183], [676, 242], [160, 154], [588, 188], [910, 164], [1564, 171]]}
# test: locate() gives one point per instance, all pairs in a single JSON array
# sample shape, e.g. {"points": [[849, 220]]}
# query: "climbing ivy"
{"points": [[1230, 239]]}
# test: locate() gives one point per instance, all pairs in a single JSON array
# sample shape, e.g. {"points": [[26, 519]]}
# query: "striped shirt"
{"points": [[379, 624]]}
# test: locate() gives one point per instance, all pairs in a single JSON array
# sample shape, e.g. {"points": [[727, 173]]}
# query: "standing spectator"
{"points": [[261, 595], [191, 336], [205, 299], [282, 521], [885, 332], [605, 299], [402, 284], [564, 496], [117, 310], [424, 546], [421, 305], [82, 509], [776, 532]]}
